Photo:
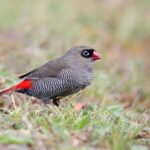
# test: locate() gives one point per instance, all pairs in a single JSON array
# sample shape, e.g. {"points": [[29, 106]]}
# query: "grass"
{"points": [[65, 128], [111, 114]]}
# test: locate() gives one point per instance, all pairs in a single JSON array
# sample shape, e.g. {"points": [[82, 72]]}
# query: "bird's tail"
{"points": [[6, 91], [26, 84]]}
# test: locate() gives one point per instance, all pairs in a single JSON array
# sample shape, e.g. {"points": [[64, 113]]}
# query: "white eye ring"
{"points": [[86, 53]]}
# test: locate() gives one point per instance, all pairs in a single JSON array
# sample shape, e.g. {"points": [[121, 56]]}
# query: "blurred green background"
{"points": [[35, 31]]}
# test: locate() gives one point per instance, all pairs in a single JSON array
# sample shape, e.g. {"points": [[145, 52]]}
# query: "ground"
{"points": [[111, 114]]}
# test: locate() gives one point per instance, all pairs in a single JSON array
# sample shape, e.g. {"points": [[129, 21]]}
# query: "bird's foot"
{"points": [[56, 102]]}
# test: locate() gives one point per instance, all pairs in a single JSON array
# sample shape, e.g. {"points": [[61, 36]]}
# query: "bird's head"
{"points": [[81, 55]]}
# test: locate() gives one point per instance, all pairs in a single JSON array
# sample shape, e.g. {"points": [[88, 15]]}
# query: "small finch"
{"points": [[59, 77]]}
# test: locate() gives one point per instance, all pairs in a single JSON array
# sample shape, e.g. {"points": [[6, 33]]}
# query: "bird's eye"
{"points": [[85, 53]]}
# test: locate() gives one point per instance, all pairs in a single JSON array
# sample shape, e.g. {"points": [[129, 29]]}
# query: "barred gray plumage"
{"points": [[60, 77], [67, 83]]}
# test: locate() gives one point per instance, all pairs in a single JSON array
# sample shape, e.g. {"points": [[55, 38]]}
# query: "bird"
{"points": [[59, 77]]}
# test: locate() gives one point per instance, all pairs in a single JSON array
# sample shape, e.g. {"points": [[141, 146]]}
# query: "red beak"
{"points": [[95, 56]]}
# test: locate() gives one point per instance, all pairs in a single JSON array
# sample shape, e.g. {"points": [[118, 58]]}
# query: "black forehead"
{"points": [[89, 50]]}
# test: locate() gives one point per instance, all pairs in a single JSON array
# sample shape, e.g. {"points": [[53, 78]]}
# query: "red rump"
{"points": [[26, 84]]}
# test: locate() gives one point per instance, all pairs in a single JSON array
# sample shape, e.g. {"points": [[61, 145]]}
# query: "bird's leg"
{"points": [[56, 101]]}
